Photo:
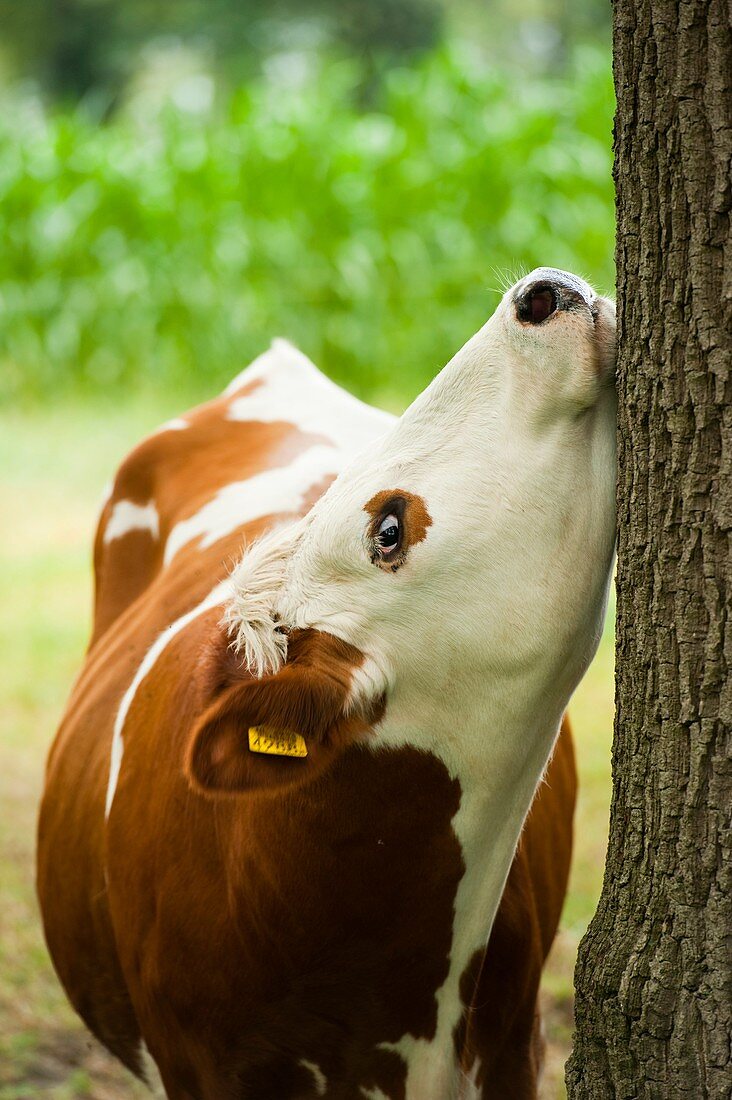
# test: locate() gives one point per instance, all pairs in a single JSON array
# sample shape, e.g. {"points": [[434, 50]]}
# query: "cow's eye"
{"points": [[387, 536]]}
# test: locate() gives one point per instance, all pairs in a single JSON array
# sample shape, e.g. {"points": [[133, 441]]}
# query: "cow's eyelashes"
{"points": [[388, 535]]}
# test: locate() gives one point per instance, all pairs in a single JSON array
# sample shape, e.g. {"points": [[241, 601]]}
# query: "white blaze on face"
{"points": [[510, 452]]}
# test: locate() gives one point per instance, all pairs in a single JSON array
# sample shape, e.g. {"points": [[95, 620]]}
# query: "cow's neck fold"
{"points": [[497, 786]]}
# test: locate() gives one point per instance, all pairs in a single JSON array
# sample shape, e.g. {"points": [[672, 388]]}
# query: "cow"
{"points": [[307, 819]]}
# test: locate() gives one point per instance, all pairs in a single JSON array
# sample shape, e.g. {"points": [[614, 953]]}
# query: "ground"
{"points": [[55, 464]]}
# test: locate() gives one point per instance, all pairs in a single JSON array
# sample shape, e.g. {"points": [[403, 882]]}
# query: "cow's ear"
{"points": [[281, 729]]}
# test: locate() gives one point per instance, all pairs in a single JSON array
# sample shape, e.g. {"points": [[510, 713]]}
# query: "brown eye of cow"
{"points": [[388, 534]]}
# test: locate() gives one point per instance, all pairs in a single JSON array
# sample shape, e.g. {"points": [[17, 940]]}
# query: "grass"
{"points": [[55, 463]]}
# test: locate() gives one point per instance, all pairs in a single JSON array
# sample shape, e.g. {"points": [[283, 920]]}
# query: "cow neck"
{"points": [[498, 762]]}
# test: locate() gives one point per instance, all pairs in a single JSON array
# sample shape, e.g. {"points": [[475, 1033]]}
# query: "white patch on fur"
{"points": [[321, 1081], [294, 390], [369, 681], [471, 1089], [127, 516], [218, 595], [274, 491], [373, 1094], [153, 1080], [177, 424]]}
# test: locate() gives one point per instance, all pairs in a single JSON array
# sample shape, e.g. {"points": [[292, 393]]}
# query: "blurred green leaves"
{"points": [[167, 247]]}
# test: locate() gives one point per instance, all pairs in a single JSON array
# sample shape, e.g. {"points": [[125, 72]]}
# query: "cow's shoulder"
{"points": [[284, 383], [265, 448]]}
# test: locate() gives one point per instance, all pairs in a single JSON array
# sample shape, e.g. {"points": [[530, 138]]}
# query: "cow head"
{"points": [[457, 569]]}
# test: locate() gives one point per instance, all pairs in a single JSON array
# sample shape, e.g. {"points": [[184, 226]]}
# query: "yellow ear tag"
{"points": [[276, 742]]}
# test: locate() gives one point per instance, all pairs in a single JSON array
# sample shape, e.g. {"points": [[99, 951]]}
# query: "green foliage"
{"points": [[77, 48], [166, 248]]}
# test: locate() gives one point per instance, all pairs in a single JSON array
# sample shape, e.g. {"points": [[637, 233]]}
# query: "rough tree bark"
{"points": [[653, 981]]}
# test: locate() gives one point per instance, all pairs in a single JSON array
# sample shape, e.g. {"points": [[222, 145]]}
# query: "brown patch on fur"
{"points": [[308, 696], [316, 924], [316, 491], [411, 511], [245, 390], [417, 517]]}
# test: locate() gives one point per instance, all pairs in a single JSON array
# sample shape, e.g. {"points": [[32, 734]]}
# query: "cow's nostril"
{"points": [[536, 304]]}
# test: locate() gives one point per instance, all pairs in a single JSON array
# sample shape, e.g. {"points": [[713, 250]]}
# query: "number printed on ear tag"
{"points": [[276, 742]]}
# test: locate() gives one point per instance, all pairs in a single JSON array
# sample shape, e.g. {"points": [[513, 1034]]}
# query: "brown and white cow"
{"points": [[416, 601]]}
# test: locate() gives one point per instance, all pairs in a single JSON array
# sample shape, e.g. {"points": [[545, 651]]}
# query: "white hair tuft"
{"points": [[251, 616]]}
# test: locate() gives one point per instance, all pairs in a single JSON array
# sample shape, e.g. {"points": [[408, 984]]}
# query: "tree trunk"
{"points": [[654, 990]]}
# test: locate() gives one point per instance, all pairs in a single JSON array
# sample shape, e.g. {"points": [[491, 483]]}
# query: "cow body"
{"points": [[322, 938]]}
